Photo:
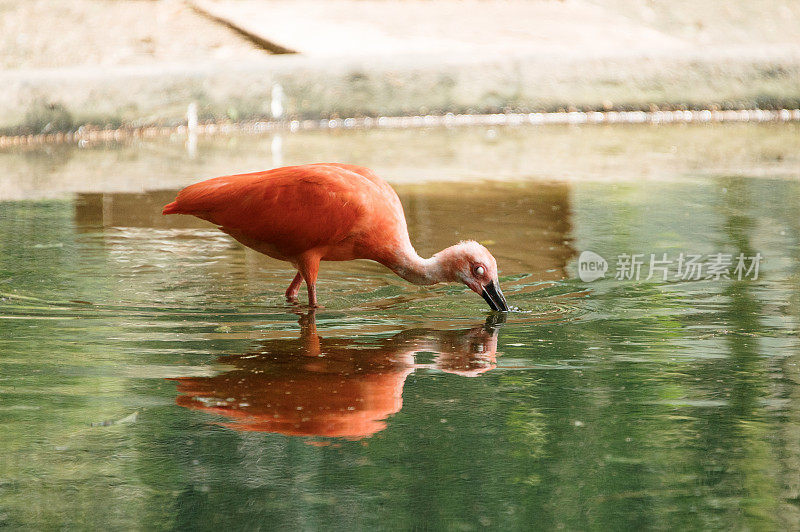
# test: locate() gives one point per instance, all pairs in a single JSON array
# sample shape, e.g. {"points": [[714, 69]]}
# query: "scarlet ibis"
{"points": [[330, 211]]}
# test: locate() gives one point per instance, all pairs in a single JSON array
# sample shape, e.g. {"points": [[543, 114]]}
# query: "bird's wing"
{"points": [[387, 192], [388, 233], [293, 209]]}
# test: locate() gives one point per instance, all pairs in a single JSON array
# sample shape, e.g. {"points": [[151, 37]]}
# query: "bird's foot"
{"points": [[296, 305]]}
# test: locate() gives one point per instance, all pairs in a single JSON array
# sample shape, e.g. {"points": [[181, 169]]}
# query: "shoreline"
{"points": [[131, 65], [61, 100], [88, 134]]}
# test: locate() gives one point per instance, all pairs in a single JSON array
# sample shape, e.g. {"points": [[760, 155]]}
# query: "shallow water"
{"points": [[152, 378]]}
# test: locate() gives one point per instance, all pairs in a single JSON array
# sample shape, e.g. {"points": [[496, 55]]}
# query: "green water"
{"points": [[152, 378]]}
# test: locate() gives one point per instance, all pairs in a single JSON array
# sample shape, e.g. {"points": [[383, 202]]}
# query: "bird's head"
{"points": [[472, 264]]}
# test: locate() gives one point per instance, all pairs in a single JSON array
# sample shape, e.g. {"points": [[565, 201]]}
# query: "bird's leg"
{"points": [[309, 268], [312, 296], [294, 288]]}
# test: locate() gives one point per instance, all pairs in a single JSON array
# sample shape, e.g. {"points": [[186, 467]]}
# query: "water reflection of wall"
{"points": [[528, 226], [340, 387], [630, 153], [130, 210]]}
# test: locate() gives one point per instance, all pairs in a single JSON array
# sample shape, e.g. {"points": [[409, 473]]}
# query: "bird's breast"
{"points": [[271, 249]]}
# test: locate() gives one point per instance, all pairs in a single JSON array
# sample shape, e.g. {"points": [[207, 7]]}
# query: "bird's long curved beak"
{"points": [[494, 296]]}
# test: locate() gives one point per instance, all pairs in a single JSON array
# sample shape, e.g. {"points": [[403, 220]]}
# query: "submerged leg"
{"points": [[312, 295], [309, 268], [294, 288]]}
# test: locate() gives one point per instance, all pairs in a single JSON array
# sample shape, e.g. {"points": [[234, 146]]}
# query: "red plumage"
{"points": [[329, 211], [303, 214]]}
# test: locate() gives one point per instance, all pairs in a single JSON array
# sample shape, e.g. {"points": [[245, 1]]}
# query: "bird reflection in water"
{"points": [[338, 387]]}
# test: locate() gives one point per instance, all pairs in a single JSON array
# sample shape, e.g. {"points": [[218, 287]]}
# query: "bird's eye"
{"points": [[479, 270]]}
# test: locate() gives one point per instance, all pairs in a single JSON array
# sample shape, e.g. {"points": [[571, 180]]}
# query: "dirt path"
{"points": [[66, 33]]}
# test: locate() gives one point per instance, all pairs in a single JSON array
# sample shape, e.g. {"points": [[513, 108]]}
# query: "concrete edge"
{"points": [[48, 101]]}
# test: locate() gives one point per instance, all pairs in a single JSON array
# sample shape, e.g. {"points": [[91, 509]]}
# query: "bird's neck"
{"points": [[417, 270]]}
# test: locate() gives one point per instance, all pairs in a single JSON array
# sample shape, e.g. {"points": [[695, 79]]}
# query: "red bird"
{"points": [[305, 214]]}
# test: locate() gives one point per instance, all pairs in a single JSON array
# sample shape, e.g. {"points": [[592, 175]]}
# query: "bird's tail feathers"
{"points": [[171, 208]]}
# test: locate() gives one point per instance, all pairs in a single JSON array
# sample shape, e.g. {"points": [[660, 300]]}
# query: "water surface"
{"points": [[151, 376]]}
